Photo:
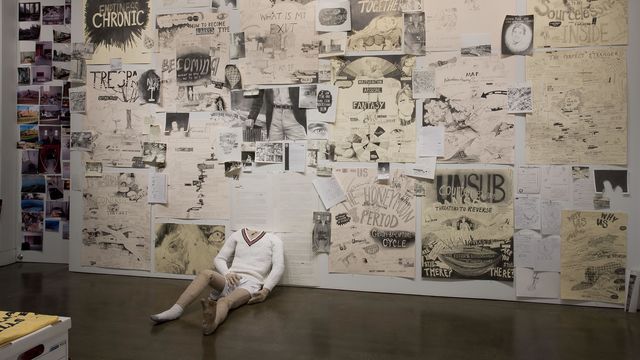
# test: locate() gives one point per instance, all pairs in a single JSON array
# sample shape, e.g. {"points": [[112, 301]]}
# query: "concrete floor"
{"points": [[110, 316]]}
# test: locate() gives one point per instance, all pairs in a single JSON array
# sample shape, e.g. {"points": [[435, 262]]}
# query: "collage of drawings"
{"points": [[201, 117]]}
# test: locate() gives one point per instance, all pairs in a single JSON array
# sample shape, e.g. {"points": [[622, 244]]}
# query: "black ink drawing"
{"points": [[519, 99], [616, 178], [517, 35], [149, 87], [77, 100], [232, 78], [113, 23], [187, 248], [376, 30], [154, 154], [321, 235]]}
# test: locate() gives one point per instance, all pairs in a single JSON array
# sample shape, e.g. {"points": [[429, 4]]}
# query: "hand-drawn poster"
{"points": [[116, 226], [119, 29], [186, 248], [193, 53], [448, 20], [580, 110], [375, 118], [472, 107], [562, 23], [593, 256], [373, 232], [197, 188], [376, 26], [467, 225], [280, 42], [114, 116]]}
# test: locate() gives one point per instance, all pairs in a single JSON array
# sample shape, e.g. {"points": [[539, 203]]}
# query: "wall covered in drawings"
{"points": [[420, 147]]}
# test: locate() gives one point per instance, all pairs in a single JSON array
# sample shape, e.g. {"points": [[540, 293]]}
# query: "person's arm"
{"points": [[277, 268], [255, 107], [221, 261]]}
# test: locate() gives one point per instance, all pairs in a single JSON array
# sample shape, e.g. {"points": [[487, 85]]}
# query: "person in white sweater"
{"points": [[257, 266]]}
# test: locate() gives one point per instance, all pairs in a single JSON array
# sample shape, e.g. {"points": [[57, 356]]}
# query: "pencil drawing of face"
{"points": [[187, 248]]}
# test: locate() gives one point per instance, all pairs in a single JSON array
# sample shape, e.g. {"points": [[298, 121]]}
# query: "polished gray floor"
{"points": [[110, 316]]}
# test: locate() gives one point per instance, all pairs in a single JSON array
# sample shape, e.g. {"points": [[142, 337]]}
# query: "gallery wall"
{"points": [[313, 270]]}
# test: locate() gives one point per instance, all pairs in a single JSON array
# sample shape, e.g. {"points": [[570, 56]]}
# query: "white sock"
{"points": [[173, 313]]}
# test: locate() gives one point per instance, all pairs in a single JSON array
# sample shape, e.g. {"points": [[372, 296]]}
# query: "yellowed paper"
{"points": [[593, 256], [580, 111], [373, 232], [562, 23]]}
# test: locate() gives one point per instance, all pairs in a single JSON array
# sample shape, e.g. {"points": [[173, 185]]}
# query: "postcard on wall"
{"points": [[517, 35], [569, 123], [377, 25], [375, 118], [562, 23], [115, 232], [326, 105], [119, 29], [373, 231], [472, 107], [617, 179], [332, 44], [594, 254], [333, 15], [467, 225], [186, 248], [519, 98], [280, 42]]}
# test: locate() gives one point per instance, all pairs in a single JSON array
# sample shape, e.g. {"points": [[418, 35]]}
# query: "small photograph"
{"points": [[52, 225], [31, 243], [65, 114], [61, 72], [383, 172], [28, 136], [65, 230], [32, 221], [55, 188], [321, 235], [232, 78], [617, 179], [32, 205], [222, 4], [27, 114], [57, 209], [269, 152], [519, 99], [80, 51], [93, 169], [41, 74], [154, 154], [77, 99], [61, 52], [32, 196], [27, 57], [33, 184], [50, 95], [78, 70], [410, 5], [49, 159], [176, 124], [415, 42], [49, 135], [247, 158], [24, 76], [232, 168], [307, 99], [237, 50], [332, 44], [50, 115], [517, 35], [53, 15], [29, 31], [66, 171], [29, 11], [66, 144], [61, 37], [81, 140], [44, 53], [28, 95], [29, 163]]}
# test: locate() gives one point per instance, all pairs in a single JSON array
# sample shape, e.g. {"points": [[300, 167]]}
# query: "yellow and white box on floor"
{"points": [[32, 335]]}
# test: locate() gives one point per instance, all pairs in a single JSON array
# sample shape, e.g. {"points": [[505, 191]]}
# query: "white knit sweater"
{"points": [[263, 260]]}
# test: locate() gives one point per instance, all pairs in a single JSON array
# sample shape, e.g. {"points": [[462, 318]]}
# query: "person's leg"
{"points": [[292, 128], [215, 312], [276, 131], [204, 278]]}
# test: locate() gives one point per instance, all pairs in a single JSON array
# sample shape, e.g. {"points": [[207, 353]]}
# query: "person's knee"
{"points": [[208, 273], [224, 302]]}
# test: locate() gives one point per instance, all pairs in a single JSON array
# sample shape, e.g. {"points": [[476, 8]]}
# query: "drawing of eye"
{"points": [[318, 129]]}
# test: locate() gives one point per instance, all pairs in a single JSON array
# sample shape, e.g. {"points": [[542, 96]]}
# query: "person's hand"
{"points": [[233, 279], [248, 123], [259, 296]]}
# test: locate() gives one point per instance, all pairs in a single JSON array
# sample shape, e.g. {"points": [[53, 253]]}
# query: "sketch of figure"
{"points": [[406, 106], [186, 248]]}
